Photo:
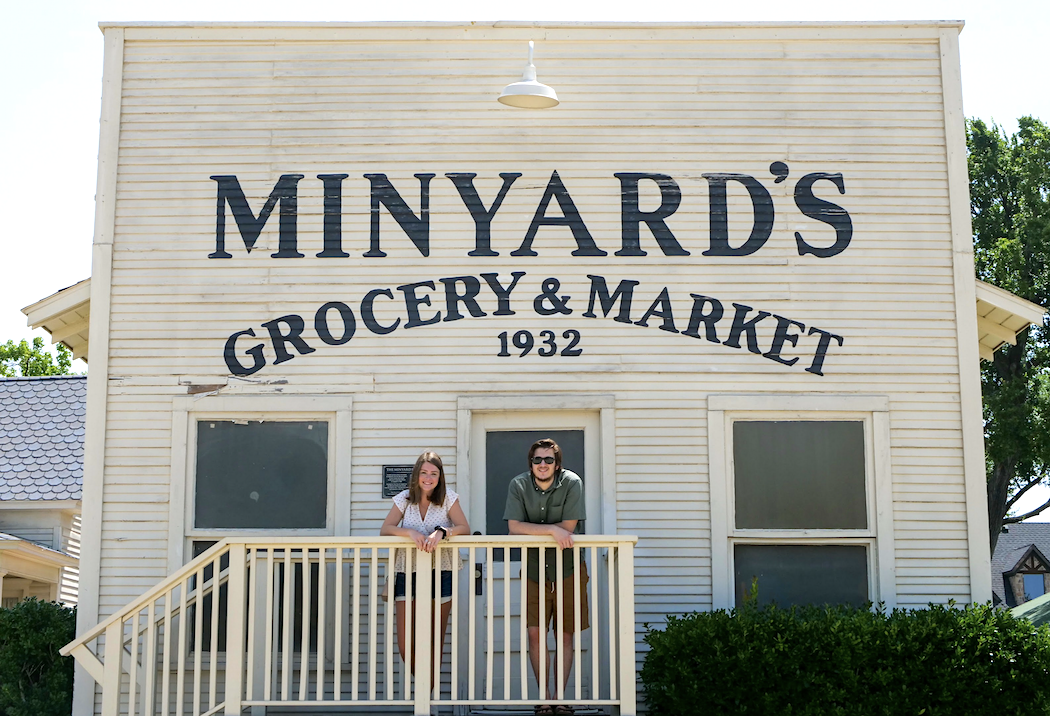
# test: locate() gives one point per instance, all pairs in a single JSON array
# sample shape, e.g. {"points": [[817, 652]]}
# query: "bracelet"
{"points": [[443, 531]]}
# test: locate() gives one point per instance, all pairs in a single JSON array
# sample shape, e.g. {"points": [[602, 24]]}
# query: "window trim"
{"points": [[187, 411], [723, 410]]}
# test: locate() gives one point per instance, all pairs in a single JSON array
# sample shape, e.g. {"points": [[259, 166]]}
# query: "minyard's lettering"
{"points": [[570, 217], [417, 227], [250, 226], [821, 210], [333, 216], [762, 204], [382, 194], [631, 217], [482, 217], [467, 295]]}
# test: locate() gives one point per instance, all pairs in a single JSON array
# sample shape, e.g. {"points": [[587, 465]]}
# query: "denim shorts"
{"points": [[446, 586]]}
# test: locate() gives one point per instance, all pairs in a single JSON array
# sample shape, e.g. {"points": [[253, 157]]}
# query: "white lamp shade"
{"points": [[527, 93]]}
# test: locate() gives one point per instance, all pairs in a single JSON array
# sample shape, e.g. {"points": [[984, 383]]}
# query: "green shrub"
{"points": [[845, 661], [34, 679]]}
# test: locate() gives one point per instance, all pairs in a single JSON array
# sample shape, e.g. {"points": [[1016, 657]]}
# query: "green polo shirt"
{"points": [[563, 500]]}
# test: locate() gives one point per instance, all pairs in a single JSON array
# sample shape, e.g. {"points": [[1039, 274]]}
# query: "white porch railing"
{"points": [[316, 629]]}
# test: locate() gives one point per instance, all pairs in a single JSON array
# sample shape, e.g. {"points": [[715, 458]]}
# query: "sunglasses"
{"points": [[539, 460]]}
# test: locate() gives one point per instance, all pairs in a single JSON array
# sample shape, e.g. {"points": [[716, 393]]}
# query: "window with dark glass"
{"points": [[261, 475], [800, 475]]}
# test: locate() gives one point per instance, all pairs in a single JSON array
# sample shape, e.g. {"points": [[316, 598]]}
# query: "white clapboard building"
{"points": [[731, 273]]}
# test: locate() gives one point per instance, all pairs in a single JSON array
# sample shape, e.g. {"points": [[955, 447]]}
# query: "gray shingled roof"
{"points": [[42, 437], [1011, 547]]}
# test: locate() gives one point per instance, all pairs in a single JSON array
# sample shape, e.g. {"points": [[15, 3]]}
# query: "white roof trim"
{"points": [[65, 315], [35, 552], [1001, 316]]}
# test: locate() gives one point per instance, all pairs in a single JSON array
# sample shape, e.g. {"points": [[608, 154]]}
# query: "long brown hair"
{"points": [[415, 492]]}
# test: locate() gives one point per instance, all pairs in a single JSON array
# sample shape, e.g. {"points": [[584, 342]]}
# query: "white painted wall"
{"points": [[866, 101]]}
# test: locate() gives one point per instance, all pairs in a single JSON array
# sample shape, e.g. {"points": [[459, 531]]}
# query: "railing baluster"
{"points": [[472, 624], [355, 640], [337, 637], [453, 690], [411, 585], [133, 663], [269, 665], [166, 674], [322, 598], [577, 619], [304, 635], [523, 636], [287, 615], [506, 624], [559, 623], [424, 616], [180, 657], [198, 635], [595, 654], [213, 657], [373, 620], [253, 598], [612, 623], [435, 631], [149, 660], [541, 680], [489, 623]]}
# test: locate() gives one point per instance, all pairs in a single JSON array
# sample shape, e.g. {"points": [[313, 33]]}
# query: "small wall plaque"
{"points": [[395, 478]]}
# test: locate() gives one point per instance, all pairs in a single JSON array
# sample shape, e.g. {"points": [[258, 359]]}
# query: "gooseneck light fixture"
{"points": [[528, 93]]}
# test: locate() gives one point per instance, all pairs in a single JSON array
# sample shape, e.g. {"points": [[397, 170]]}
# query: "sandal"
{"points": [[563, 710], [543, 710]]}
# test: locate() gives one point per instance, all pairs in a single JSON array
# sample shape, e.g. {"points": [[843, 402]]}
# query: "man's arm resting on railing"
{"points": [[561, 532]]}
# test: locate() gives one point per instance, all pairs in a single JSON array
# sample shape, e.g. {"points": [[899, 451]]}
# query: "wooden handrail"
{"points": [[275, 541]]}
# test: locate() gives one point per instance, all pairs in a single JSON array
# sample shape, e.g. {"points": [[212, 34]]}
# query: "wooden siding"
{"points": [[257, 103]]}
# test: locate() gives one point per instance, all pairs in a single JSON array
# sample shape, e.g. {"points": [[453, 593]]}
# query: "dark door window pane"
{"points": [[268, 475], [802, 574], [506, 455], [799, 475]]}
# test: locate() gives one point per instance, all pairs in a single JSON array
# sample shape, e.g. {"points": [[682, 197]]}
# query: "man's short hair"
{"points": [[546, 444]]}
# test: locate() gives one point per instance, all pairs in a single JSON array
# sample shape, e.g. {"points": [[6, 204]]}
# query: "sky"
{"points": [[53, 52]]}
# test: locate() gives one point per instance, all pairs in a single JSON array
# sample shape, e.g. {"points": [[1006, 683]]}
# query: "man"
{"points": [[548, 501]]}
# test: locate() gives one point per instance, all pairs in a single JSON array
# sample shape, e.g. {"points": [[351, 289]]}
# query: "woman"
{"points": [[428, 512]]}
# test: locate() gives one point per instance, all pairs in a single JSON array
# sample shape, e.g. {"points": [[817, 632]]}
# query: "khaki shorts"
{"points": [[550, 613]]}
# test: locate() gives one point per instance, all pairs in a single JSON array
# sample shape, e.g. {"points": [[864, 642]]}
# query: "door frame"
{"points": [[470, 457]]}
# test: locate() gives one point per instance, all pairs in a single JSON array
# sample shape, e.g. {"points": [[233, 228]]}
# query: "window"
{"points": [[1033, 586], [261, 474], [256, 464], [796, 501]]}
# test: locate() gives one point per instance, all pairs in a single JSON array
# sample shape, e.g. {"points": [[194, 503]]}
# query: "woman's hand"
{"points": [[432, 541], [421, 540]]}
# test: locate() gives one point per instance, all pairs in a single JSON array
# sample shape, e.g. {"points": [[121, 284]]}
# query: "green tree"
{"points": [[23, 359], [1010, 203]]}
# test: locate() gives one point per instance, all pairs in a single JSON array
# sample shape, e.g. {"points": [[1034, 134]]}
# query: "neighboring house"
{"points": [[1021, 565], [41, 467]]}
